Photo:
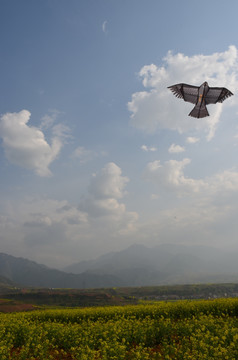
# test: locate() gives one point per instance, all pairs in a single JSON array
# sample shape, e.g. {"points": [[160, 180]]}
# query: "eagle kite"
{"points": [[200, 96]]}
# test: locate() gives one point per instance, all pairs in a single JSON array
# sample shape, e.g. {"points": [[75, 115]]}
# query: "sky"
{"points": [[96, 154]]}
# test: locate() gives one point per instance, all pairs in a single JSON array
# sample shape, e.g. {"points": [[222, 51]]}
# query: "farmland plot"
{"points": [[164, 330]]}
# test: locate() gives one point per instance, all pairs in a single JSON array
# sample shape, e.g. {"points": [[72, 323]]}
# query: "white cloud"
{"points": [[108, 183], [192, 140], [106, 188], [148, 148], [171, 176], [25, 145], [157, 108], [174, 149]]}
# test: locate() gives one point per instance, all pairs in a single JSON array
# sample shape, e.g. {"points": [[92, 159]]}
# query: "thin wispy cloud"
{"points": [[62, 132], [49, 119], [192, 140], [84, 155], [148, 148], [104, 26]]}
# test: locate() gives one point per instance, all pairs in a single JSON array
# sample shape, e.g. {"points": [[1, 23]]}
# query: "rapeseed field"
{"points": [[183, 330]]}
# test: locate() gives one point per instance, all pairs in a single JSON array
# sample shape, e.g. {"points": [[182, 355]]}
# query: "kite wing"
{"points": [[216, 94], [186, 92]]}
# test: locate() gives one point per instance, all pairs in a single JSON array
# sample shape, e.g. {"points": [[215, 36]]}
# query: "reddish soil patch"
{"points": [[7, 307]]}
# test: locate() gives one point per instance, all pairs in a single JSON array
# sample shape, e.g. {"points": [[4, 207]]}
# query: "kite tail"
{"points": [[199, 112]]}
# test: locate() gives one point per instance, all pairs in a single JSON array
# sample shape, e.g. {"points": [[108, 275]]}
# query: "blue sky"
{"points": [[95, 152]]}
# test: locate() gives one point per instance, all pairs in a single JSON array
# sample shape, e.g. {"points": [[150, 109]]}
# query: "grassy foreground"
{"points": [[204, 329]]}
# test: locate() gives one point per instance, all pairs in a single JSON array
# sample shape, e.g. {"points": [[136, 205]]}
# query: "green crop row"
{"points": [[165, 330]]}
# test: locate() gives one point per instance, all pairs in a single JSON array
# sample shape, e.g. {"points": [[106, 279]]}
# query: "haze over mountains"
{"points": [[163, 264], [137, 265]]}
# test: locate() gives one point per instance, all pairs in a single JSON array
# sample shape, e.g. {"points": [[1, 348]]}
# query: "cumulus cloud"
{"points": [[174, 149], [26, 145], [171, 176], [108, 183], [107, 187], [156, 108]]}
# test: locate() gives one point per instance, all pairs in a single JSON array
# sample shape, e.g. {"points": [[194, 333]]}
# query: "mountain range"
{"points": [[137, 265], [31, 274]]}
